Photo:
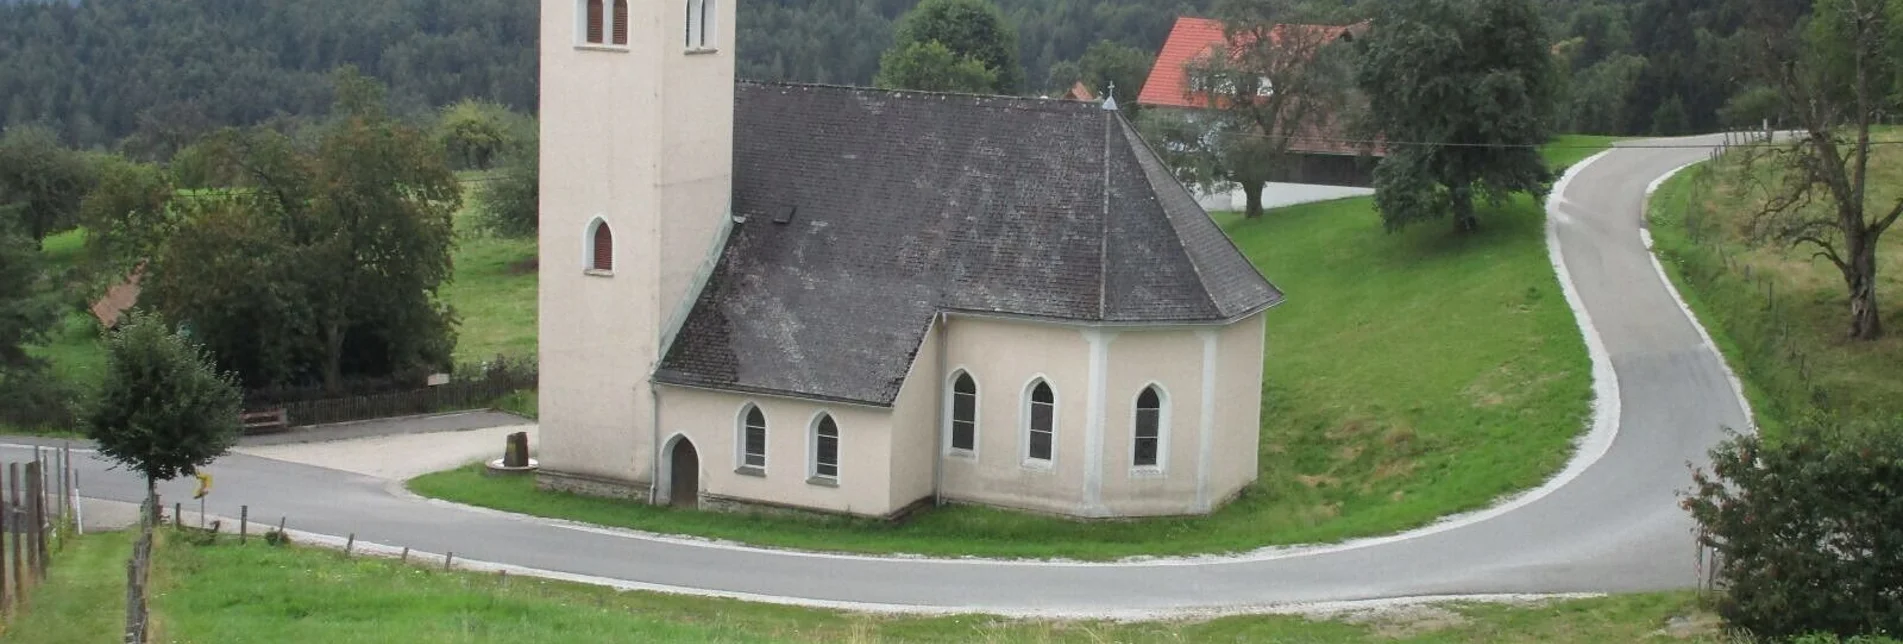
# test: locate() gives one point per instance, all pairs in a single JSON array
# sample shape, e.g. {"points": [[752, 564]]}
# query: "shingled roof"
{"points": [[866, 212]]}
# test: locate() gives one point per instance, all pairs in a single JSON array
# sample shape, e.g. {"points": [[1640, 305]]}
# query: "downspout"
{"points": [[940, 443], [654, 438]]}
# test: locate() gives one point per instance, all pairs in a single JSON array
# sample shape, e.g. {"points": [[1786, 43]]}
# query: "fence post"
{"points": [[19, 531], [244, 522], [178, 510], [36, 512], [5, 605]]}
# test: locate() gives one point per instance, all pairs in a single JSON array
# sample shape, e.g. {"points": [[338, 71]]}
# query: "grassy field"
{"points": [[1410, 376], [257, 593], [1812, 316]]}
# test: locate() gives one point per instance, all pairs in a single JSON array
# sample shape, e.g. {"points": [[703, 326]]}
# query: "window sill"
{"points": [[1039, 464], [749, 470], [823, 481], [701, 51], [1147, 472], [596, 272], [591, 46], [967, 454]]}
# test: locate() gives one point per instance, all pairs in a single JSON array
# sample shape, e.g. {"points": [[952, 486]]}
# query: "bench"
{"points": [[267, 421]]}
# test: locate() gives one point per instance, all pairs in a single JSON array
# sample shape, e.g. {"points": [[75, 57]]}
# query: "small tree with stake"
{"points": [[164, 411]]}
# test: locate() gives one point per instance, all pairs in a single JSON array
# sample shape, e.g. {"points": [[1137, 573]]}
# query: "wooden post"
{"points": [[244, 522], [281, 520], [5, 606], [447, 558], [405, 557], [351, 543], [178, 511], [31, 531], [19, 531], [36, 482]]}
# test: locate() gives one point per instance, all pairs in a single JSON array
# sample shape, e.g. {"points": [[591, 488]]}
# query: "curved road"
{"points": [[1614, 527]]}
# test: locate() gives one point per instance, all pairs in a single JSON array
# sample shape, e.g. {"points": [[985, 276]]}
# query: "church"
{"points": [[762, 296]]}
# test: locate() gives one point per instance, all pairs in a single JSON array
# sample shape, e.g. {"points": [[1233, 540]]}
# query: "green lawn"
{"points": [[1409, 376], [258, 593], [1569, 149], [494, 294], [1812, 317]]}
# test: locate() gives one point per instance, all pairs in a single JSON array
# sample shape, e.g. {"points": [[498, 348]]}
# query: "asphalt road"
{"points": [[1615, 527]]}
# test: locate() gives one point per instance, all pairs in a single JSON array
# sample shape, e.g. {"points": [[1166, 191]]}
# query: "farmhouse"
{"points": [[1321, 153], [860, 301]]}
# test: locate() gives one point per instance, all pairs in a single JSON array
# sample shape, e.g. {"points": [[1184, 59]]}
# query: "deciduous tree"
{"points": [[1835, 76], [1466, 90], [164, 410], [930, 66], [969, 29], [42, 180]]}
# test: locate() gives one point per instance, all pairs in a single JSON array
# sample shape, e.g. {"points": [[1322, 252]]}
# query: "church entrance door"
{"points": [[684, 476]]}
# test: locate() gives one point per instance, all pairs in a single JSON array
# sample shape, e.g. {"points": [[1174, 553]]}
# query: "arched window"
{"points": [[753, 438], [1144, 452], [1040, 430], [593, 33], [826, 448], [621, 22], [964, 414], [700, 23], [601, 247]]}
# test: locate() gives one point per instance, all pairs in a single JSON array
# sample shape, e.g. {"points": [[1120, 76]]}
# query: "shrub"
{"points": [[1809, 532]]}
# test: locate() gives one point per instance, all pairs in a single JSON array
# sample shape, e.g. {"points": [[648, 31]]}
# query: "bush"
{"points": [[1809, 532], [508, 204]]}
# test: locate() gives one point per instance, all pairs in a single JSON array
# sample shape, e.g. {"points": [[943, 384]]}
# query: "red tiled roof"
{"points": [[1079, 92], [119, 299]]}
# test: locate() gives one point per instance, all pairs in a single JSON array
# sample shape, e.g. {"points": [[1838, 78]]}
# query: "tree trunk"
{"points": [[1866, 323], [1464, 219], [333, 357], [152, 501], [1252, 190]]}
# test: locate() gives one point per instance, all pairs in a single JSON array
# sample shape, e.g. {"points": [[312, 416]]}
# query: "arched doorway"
{"points": [[683, 488]]}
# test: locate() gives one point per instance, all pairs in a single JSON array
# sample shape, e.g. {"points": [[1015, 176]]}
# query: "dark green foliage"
{"points": [[1466, 89], [509, 203], [164, 410], [324, 262], [969, 29], [126, 215], [930, 66], [1808, 531], [475, 134], [1108, 63], [27, 311], [41, 182]]}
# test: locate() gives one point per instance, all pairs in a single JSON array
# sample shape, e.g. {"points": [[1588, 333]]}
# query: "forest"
{"points": [[141, 75]]}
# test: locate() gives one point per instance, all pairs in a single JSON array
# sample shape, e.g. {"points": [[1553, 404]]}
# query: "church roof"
{"points": [[866, 212]]}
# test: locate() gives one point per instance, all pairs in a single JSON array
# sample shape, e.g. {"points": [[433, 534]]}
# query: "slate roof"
{"points": [[866, 212]]}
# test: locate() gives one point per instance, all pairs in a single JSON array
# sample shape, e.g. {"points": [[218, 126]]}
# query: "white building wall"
{"points": [[712, 420]]}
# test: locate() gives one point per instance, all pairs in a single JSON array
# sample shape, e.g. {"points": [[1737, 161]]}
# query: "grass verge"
{"points": [[258, 593], [1780, 316], [1410, 375]]}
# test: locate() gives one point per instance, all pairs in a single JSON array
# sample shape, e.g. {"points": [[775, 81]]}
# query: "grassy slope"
{"points": [[493, 290], [255, 593], [1858, 379], [1410, 376]]}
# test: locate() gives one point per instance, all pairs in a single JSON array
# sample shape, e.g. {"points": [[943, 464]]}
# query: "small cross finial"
{"points": [[1110, 97]]}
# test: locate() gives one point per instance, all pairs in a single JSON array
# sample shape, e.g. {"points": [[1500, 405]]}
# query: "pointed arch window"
{"points": [[700, 24], [1147, 439], [826, 449], [593, 28], [601, 247], [964, 413], [752, 439], [1040, 423], [621, 22]]}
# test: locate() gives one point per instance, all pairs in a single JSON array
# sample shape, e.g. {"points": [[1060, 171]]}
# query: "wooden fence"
{"points": [[41, 512]]}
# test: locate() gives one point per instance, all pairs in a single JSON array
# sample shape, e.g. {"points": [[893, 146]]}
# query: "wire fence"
{"points": [[1759, 314], [476, 388], [41, 513]]}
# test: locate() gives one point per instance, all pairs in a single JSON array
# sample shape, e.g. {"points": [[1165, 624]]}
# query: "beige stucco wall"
{"points": [[712, 421], [1097, 372], [609, 150], [915, 426]]}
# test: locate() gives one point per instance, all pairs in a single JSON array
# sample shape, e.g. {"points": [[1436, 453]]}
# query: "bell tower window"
{"points": [[700, 25], [592, 31], [601, 248]]}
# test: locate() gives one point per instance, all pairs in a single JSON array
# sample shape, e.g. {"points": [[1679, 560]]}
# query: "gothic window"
{"points": [[594, 26], [964, 416], [621, 22], [753, 439], [601, 246], [826, 448], [1149, 428], [1040, 422], [700, 23]]}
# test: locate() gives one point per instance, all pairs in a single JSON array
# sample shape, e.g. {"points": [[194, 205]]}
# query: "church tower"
{"points": [[636, 177]]}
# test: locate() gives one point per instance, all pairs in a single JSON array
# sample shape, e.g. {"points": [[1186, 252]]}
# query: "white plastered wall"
{"points": [[711, 420]]}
